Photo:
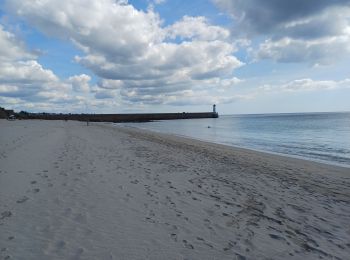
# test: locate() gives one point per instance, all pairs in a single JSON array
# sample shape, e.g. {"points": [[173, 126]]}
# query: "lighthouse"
{"points": [[214, 108]]}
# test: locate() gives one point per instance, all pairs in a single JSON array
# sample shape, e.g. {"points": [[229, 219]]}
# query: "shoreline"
{"points": [[283, 155], [72, 191], [316, 142]]}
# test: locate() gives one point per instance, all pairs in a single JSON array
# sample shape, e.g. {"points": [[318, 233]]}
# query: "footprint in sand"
{"points": [[36, 190], [187, 244], [6, 214], [173, 237], [200, 239], [240, 257], [23, 199], [205, 242], [229, 246], [276, 237]]}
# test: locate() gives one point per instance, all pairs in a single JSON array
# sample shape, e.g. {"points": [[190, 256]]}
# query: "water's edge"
{"points": [[244, 147]]}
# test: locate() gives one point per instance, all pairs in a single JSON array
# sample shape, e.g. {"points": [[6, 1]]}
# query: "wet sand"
{"points": [[71, 191]]}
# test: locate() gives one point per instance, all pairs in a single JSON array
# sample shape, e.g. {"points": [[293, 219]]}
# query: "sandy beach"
{"points": [[71, 191]]}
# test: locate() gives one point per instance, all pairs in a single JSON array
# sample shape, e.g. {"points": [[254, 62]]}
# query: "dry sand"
{"points": [[71, 191]]}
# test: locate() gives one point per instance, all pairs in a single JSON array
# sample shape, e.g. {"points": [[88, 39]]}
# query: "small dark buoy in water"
{"points": [[208, 126]]}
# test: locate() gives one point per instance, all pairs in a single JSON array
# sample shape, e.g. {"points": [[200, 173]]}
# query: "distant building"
{"points": [[11, 117], [5, 113]]}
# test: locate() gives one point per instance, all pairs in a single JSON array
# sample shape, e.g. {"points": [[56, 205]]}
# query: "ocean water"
{"points": [[323, 137]]}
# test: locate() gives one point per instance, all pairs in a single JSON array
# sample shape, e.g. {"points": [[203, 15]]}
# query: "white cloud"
{"points": [[203, 98], [322, 39], [80, 83], [8, 89], [25, 72], [132, 51], [24, 82], [11, 48], [319, 52], [197, 28], [306, 84], [313, 31]]}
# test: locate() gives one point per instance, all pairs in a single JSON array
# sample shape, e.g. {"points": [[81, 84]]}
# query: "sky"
{"points": [[139, 56]]}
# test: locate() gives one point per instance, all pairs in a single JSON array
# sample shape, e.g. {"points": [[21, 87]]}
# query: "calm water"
{"points": [[316, 136]]}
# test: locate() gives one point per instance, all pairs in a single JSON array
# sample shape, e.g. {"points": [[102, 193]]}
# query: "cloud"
{"points": [[158, 2], [322, 51], [313, 31], [25, 72], [11, 48], [268, 16], [130, 50], [306, 84], [24, 81], [204, 98], [197, 28], [80, 83]]}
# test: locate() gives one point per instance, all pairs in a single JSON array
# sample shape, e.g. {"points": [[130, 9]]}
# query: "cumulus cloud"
{"points": [[268, 16], [318, 51], [197, 28], [26, 72], [24, 81], [314, 31], [11, 48], [130, 50], [80, 83]]}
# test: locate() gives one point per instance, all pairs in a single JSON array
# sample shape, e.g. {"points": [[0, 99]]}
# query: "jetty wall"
{"points": [[117, 118]]}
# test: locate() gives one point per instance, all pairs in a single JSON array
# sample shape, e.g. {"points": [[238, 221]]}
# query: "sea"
{"points": [[322, 137]]}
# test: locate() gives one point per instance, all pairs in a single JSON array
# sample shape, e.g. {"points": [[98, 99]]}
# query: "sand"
{"points": [[71, 191]]}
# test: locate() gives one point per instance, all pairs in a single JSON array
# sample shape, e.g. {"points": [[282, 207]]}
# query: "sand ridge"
{"points": [[71, 191]]}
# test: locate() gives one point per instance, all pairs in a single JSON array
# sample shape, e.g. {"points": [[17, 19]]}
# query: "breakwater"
{"points": [[119, 118]]}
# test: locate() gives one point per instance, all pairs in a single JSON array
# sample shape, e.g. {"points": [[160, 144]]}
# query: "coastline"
{"points": [[243, 148], [71, 190], [294, 156]]}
